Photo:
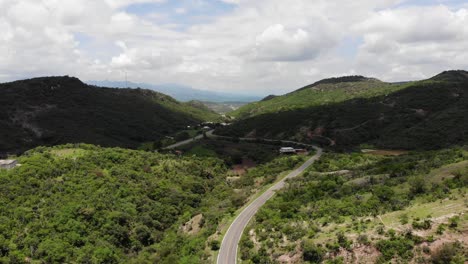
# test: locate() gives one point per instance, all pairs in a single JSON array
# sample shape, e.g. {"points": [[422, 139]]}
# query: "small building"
{"points": [[8, 164], [301, 151], [287, 150]]}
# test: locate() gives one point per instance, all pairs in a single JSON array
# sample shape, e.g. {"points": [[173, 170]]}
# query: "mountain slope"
{"points": [[54, 110], [323, 92], [427, 114], [85, 204], [180, 92]]}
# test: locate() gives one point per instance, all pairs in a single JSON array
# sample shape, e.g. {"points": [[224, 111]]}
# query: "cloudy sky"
{"points": [[245, 46]]}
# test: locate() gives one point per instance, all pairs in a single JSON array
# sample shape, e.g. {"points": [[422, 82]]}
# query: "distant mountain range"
{"points": [[181, 92]]}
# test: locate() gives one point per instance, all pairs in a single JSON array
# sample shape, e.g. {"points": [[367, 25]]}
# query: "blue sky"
{"points": [[451, 3], [183, 13]]}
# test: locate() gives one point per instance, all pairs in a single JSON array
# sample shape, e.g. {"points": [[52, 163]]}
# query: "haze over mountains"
{"points": [[181, 92]]}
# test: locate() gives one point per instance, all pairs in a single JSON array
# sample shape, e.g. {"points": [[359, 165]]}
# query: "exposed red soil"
{"points": [[241, 169]]}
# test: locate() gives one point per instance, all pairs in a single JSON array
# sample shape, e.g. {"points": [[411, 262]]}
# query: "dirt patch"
{"points": [[253, 238], [241, 169], [294, 257], [289, 259], [340, 172], [446, 238], [359, 254], [232, 179], [193, 226]]}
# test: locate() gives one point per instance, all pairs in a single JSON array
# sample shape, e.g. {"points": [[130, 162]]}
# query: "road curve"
{"points": [[228, 250], [185, 142]]}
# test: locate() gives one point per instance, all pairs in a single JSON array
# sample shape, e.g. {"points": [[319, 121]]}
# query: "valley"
{"points": [[368, 190], [233, 132]]}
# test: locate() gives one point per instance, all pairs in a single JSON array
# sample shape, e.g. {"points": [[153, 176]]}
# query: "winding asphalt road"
{"points": [[228, 251]]}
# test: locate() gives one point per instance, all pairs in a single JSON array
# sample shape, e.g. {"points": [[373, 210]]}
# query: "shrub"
{"points": [[404, 219], [440, 229], [453, 221], [380, 229], [426, 249], [449, 253], [395, 247], [425, 225], [312, 252], [343, 240], [418, 185], [363, 239], [214, 244]]}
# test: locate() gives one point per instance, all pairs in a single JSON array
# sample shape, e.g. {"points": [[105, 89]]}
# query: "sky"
{"points": [[243, 46]]}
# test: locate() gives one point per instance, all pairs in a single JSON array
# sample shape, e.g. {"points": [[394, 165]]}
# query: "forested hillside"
{"points": [[57, 110], [428, 114], [363, 208], [323, 92], [80, 203]]}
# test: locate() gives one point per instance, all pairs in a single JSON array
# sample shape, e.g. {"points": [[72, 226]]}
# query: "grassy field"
{"points": [[69, 152]]}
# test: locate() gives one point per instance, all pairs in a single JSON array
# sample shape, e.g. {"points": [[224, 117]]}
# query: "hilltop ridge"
{"points": [[427, 114], [55, 110], [452, 75], [326, 91], [342, 79]]}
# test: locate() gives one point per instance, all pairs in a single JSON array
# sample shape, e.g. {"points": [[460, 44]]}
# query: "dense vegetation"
{"points": [[80, 203], [429, 114], [232, 152], [322, 212], [57, 110], [323, 92]]}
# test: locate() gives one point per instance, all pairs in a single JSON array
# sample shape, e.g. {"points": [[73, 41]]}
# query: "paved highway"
{"points": [[185, 142], [228, 251]]}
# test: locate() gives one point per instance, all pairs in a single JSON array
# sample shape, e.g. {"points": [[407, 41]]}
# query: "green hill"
{"points": [[79, 203], [427, 114], [323, 92], [364, 208], [56, 110]]}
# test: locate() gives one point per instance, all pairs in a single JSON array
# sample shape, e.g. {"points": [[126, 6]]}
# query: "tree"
{"points": [[214, 244], [418, 185], [449, 253], [312, 252], [384, 193]]}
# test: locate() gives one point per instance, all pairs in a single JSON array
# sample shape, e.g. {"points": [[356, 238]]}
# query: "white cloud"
{"points": [[414, 42], [122, 3], [279, 44], [266, 46], [180, 10]]}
